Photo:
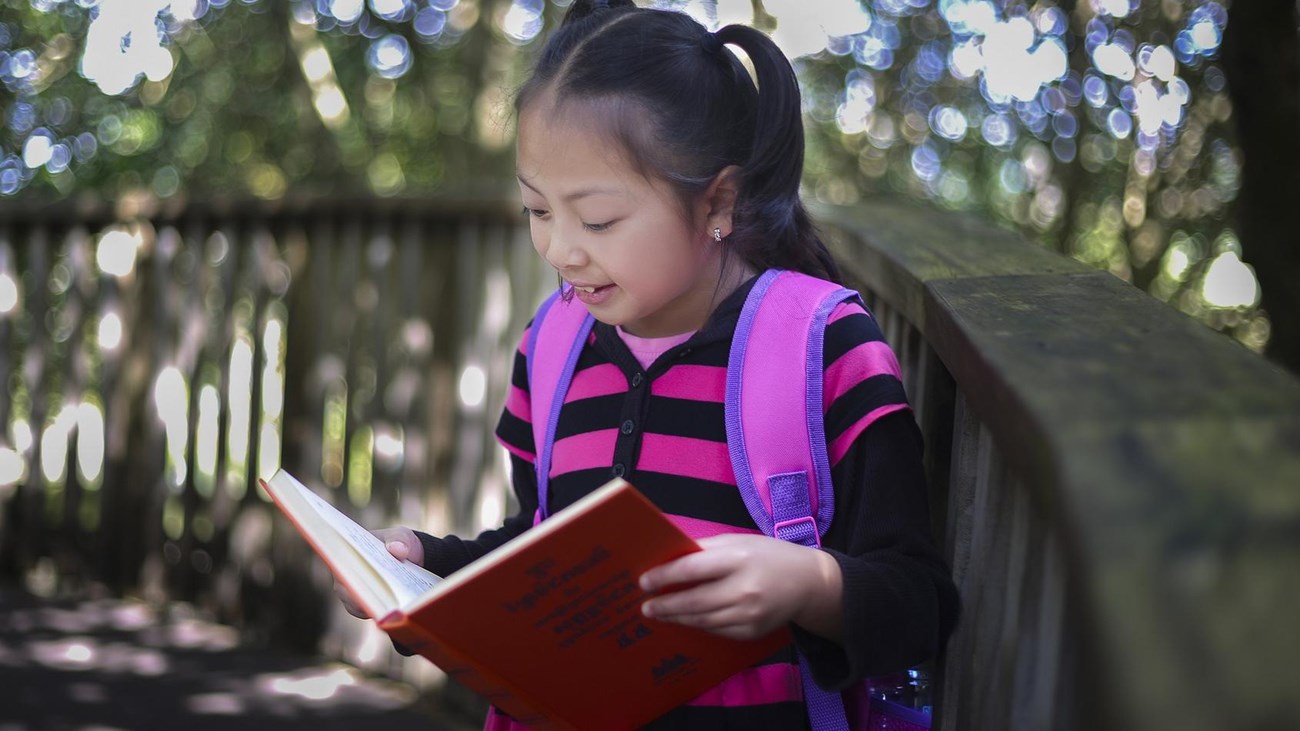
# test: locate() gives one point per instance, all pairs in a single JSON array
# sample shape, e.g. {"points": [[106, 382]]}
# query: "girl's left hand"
{"points": [[744, 586]]}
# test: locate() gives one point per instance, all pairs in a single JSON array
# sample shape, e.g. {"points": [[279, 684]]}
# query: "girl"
{"points": [[660, 180]]}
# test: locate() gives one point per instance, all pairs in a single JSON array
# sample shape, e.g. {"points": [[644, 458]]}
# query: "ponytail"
{"points": [[683, 107], [770, 216]]}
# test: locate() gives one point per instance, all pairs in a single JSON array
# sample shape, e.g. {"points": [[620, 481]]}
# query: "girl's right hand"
{"points": [[403, 544]]}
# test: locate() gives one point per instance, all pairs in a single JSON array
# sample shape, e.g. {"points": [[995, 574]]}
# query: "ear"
{"points": [[718, 201]]}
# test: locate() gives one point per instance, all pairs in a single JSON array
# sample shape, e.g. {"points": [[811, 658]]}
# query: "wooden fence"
{"points": [[1122, 486], [1115, 485]]}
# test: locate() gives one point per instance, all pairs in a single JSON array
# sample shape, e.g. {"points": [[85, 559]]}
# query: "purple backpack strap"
{"points": [[558, 335], [776, 432]]}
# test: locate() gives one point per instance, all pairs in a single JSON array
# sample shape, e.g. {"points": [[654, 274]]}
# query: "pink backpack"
{"points": [[783, 474]]}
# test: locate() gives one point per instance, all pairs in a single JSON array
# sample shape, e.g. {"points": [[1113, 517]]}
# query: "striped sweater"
{"points": [[662, 429]]}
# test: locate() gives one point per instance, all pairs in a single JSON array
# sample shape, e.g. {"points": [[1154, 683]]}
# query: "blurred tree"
{"points": [[1101, 128]]}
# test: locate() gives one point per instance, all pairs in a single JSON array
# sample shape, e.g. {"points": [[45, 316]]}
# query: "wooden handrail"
{"points": [[1162, 456]]}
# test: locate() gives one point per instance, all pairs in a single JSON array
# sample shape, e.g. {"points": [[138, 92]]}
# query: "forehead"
{"points": [[570, 140]]}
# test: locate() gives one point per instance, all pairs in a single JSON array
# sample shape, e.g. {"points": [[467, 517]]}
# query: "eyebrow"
{"points": [[575, 195]]}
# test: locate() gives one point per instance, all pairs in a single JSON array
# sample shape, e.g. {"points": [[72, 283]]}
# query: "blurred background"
{"points": [[237, 235]]}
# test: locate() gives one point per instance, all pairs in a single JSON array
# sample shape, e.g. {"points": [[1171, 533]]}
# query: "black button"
{"points": [[636, 380], [619, 470], [627, 427]]}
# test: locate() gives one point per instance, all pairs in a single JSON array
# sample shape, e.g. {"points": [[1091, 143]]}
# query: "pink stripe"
{"points": [[754, 686], [845, 309], [697, 528], [517, 404], [600, 380], [583, 451], [686, 456], [692, 382], [517, 451], [857, 365], [842, 443]]}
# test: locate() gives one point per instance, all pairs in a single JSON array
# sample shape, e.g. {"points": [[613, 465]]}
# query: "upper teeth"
{"points": [[588, 290]]}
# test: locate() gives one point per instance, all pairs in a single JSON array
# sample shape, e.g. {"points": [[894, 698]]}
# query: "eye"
{"points": [[535, 212], [597, 227]]}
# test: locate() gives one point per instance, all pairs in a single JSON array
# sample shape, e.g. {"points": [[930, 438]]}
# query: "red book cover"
{"points": [[549, 627]]}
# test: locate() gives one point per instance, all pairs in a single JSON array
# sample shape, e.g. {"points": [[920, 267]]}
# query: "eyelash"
{"points": [[592, 227]]}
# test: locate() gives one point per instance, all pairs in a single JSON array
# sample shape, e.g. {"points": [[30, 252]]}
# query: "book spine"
{"points": [[459, 667]]}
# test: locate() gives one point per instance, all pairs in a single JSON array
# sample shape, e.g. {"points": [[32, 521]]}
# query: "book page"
{"points": [[406, 579]]}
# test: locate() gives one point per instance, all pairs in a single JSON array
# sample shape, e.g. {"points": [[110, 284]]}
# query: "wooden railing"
{"points": [[1122, 485], [365, 346], [1116, 487]]}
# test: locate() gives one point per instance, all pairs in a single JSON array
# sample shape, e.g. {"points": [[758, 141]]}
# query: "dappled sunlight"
{"points": [[9, 297], [122, 663], [171, 399], [13, 468], [473, 386], [313, 687], [116, 252], [1230, 283]]}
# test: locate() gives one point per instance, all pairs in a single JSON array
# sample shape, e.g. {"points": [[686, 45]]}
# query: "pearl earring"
{"points": [[717, 235]]}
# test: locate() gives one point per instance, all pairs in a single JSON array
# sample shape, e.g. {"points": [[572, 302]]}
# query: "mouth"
{"points": [[593, 294]]}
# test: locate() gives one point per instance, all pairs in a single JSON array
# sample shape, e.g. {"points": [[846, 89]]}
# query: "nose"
{"points": [[561, 250]]}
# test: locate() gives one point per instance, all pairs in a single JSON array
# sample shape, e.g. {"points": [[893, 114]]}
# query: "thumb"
{"points": [[399, 549]]}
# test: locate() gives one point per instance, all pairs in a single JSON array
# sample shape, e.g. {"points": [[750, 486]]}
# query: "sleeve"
{"points": [[514, 431], [900, 603]]}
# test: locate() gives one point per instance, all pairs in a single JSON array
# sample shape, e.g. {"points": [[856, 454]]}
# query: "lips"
{"points": [[592, 294]]}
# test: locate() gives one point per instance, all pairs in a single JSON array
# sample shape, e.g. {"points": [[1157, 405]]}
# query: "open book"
{"points": [[547, 627]]}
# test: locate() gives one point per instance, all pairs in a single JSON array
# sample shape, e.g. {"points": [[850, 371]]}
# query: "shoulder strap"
{"points": [[559, 332], [776, 431], [775, 426]]}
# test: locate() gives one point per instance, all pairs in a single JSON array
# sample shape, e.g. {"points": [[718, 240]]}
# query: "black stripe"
{"points": [[861, 400], [709, 354], [516, 432], [685, 418], [519, 371], [847, 333], [569, 487], [695, 498], [587, 358], [589, 414]]}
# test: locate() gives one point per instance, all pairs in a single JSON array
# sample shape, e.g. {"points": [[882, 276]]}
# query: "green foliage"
{"points": [[1108, 137]]}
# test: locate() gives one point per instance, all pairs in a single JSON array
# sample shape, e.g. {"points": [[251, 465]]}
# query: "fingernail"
{"points": [[646, 610]]}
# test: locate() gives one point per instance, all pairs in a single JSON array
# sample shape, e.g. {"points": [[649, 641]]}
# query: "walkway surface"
{"points": [[110, 665]]}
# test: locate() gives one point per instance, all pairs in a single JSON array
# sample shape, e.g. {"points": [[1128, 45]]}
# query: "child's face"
{"points": [[601, 224]]}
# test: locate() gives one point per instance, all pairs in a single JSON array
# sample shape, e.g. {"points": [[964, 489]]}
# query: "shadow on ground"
{"points": [[110, 664]]}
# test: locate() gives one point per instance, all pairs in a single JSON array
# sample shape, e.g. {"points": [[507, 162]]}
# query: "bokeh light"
{"points": [[1031, 113]]}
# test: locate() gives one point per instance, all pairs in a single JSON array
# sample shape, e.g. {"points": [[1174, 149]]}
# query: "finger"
{"points": [[349, 602], [402, 544], [399, 550], [724, 623], [696, 600], [690, 569]]}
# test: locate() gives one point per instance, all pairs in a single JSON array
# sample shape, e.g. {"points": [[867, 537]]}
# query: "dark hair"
{"points": [[684, 107]]}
